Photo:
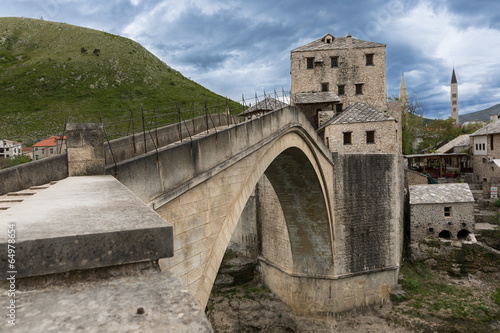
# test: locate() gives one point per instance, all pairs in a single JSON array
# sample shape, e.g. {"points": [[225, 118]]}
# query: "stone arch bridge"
{"points": [[329, 226], [329, 261]]}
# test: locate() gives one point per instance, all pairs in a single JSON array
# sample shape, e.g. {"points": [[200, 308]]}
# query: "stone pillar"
{"points": [[85, 149]]}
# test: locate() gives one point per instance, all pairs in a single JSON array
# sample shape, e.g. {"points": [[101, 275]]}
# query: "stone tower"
{"points": [[403, 97], [454, 96], [350, 69]]}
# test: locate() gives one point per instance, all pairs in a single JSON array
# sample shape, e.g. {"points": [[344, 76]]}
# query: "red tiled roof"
{"points": [[50, 142]]}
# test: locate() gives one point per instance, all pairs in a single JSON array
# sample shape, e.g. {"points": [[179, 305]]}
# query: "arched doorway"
{"points": [[462, 234], [445, 234]]}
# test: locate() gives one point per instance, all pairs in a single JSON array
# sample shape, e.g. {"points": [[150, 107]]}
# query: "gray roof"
{"points": [[267, 104], [338, 43], [316, 97], [440, 193], [491, 128], [358, 113], [459, 141]]}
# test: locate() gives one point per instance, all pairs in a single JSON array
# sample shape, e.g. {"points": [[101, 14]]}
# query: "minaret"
{"points": [[454, 96], [403, 97]]}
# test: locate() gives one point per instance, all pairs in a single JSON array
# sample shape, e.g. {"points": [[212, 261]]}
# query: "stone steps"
{"points": [[13, 198]]}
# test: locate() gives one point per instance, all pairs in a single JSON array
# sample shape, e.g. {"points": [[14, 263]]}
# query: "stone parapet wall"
{"points": [[34, 173]]}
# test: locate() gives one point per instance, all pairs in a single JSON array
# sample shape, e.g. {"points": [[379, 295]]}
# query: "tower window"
{"points": [[341, 89], [454, 95], [359, 89], [335, 61], [370, 136], [447, 211], [324, 87], [310, 63], [347, 138], [454, 102], [369, 59]]}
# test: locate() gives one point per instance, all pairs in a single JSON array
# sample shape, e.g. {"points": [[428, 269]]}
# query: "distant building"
{"points": [[457, 145], [441, 210], [454, 96], [49, 147], [486, 150], [266, 105], [10, 149], [338, 72], [28, 151]]}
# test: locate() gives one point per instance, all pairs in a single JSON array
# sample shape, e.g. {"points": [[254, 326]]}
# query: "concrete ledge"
{"points": [[81, 223], [144, 301]]}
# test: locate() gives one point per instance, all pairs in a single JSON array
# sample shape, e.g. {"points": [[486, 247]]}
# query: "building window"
{"points": [[338, 107], [310, 63], [370, 136], [484, 146], [335, 61], [491, 142], [324, 87], [447, 211], [347, 138], [341, 90], [51, 151], [369, 59], [359, 89]]}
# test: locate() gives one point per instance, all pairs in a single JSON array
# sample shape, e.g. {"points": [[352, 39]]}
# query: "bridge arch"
{"points": [[295, 169], [205, 216]]}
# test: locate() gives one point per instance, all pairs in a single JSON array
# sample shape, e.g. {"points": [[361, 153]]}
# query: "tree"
{"points": [[439, 131], [412, 120]]}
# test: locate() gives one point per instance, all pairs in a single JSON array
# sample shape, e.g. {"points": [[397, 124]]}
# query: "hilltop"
{"points": [[51, 72], [483, 115]]}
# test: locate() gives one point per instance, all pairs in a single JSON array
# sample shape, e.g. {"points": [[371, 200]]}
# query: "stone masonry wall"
{"points": [[415, 178], [426, 216], [275, 241], [368, 211], [385, 137], [351, 70]]}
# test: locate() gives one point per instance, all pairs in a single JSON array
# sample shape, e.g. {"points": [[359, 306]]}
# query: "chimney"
{"points": [[349, 41]]}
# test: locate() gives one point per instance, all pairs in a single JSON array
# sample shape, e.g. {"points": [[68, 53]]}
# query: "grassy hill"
{"points": [[51, 72]]}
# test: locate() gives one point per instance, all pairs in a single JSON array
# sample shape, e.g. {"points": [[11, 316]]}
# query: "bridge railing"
{"points": [[147, 130]]}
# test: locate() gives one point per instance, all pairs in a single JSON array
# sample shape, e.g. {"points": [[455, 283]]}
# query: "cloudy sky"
{"points": [[236, 47]]}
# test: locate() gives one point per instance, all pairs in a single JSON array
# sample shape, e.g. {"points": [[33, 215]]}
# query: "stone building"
{"points": [[266, 105], [353, 69], [441, 210], [361, 129], [485, 144], [49, 147], [10, 149]]}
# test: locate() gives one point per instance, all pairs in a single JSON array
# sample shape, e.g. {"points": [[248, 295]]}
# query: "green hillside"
{"points": [[51, 72]]}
